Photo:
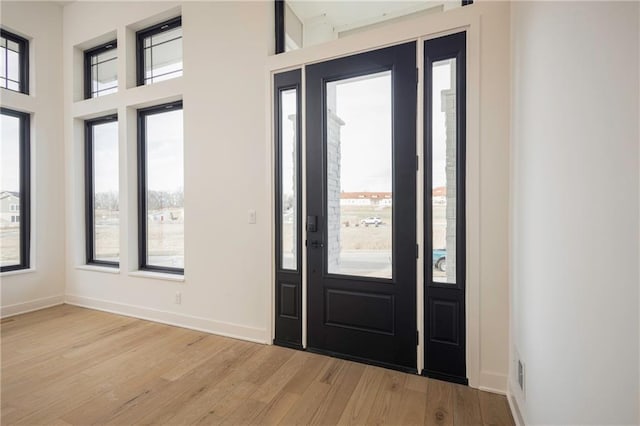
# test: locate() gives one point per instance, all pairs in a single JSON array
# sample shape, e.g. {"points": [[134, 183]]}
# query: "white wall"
{"points": [[43, 284], [575, 211], [226, 287]]}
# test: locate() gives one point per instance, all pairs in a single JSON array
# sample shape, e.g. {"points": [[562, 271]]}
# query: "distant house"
{"points": [[9, 208], [377, 199], [439, 195]]}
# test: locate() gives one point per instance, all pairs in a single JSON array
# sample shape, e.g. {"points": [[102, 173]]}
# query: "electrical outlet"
{"points": [[178, 298], [521, 375]]}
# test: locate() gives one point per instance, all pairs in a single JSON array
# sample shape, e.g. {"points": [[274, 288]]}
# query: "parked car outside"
{"points": [[440, 259], [371, 220]]}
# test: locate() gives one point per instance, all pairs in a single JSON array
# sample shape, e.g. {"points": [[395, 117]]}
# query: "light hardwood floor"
{"points": [[68, 365]]}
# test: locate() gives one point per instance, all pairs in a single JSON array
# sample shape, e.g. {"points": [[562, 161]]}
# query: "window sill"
{"points": [[157, 275], [17, 272], [19, 92], [96, 268]]}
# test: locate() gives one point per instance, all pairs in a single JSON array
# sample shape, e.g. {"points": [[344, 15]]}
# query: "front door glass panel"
{"points": [[359, 170]]}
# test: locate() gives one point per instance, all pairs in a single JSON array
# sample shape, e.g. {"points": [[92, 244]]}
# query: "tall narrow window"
{"points": [[14, 62], [101, 196], [159, 51], [101, 70], [14, 190], [444, 170], [161, 188], [288, 177]]}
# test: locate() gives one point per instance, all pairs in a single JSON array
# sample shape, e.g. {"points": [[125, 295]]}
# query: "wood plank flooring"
{"points": [[72, 366]]}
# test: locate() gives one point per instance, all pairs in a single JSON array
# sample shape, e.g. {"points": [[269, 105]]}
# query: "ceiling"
{"points": [[344, 15]]}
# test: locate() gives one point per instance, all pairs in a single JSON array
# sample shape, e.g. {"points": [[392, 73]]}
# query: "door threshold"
{"points": [[445, 377], [288, 344], [402, 368]]}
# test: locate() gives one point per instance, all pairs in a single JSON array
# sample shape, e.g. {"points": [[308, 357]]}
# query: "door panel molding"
{"points": [[339, 314]]}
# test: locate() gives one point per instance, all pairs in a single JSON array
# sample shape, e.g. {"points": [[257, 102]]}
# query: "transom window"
{"points": [[14, 62], [160, 52], [101, 70]]}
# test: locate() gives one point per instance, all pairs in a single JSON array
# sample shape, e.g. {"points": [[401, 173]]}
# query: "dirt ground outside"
{"points": [[9, 245], [368, 243], [165, 233]]}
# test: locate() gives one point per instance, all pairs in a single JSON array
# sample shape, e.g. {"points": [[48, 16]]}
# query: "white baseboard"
{"points": [[515, 409], [493, 382], [236, 331], [30, 306]]}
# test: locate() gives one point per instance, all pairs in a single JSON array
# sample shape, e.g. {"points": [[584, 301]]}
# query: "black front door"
{"points": [[361, 204]]}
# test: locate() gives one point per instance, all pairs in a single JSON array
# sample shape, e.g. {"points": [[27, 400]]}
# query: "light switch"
{"points": [[252, 216]]}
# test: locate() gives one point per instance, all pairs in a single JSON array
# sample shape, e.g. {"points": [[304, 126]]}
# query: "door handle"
{"points": [[317, 244]]}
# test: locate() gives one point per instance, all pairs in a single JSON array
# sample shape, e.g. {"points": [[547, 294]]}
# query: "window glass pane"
{"points": [[107, 91], [162, 55], [359, 176], [148, 71], [444, 171], [94, 80], [3, 63], [166, 58], [9, 191], [166, 36], [107, 55], [107, 75], [165, 191], [11, 67], [167, 76], [13, 46], [104, 72], [289, 187], [13, 62], [106, 220]]}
